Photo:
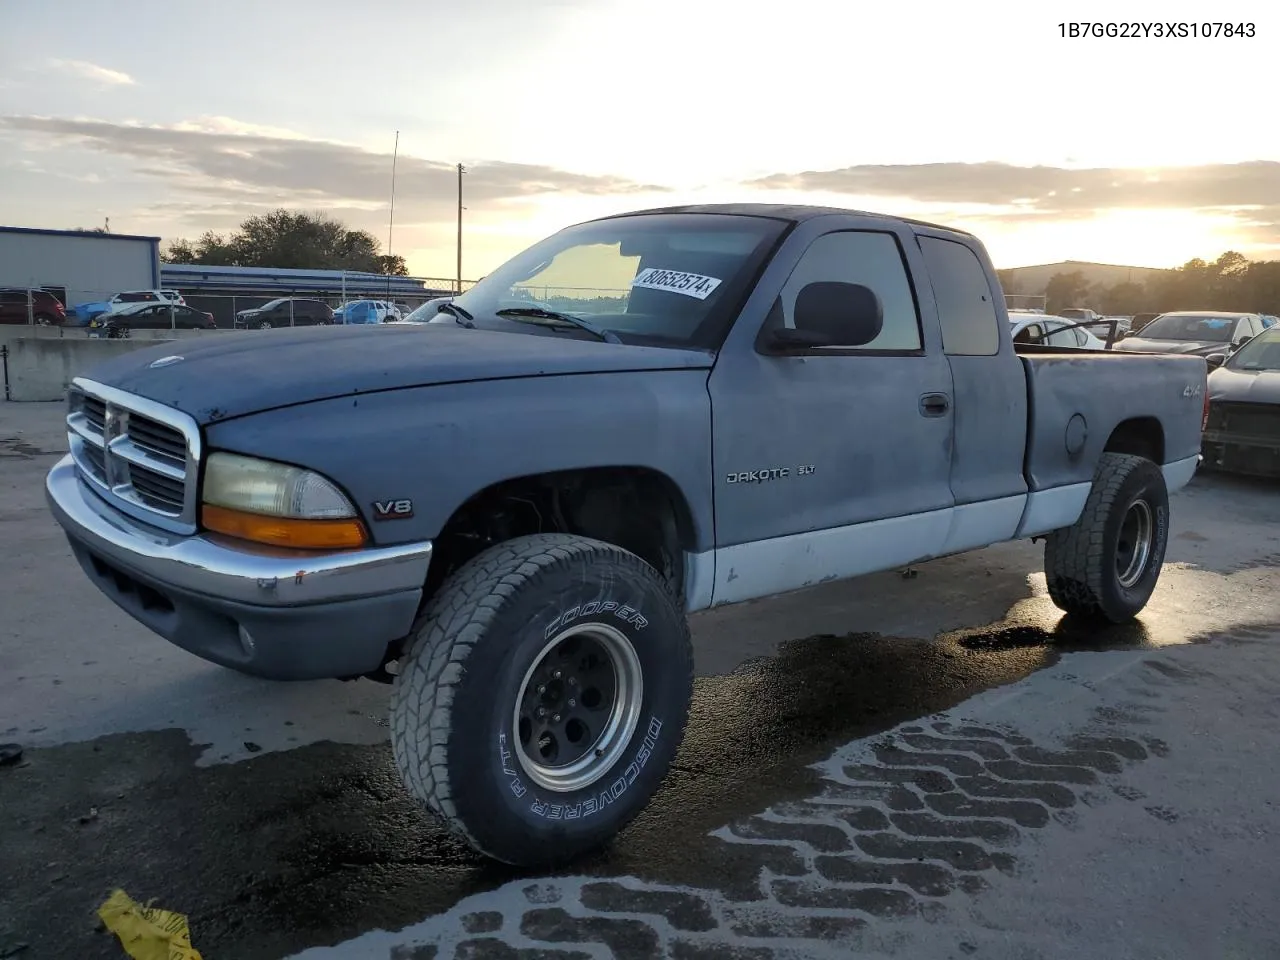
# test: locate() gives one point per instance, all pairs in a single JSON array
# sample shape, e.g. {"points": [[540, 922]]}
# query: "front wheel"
{"points": [[542, 697], [1105, 566]]}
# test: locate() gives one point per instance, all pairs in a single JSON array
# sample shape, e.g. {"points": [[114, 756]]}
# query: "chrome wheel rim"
{"points": [[1133, 548], [577, 707]]}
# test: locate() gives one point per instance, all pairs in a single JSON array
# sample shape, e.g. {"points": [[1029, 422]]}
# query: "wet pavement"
{"points": [[837, 774]]}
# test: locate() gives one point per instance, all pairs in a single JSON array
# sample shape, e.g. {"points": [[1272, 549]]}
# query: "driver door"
{"points": [[832, 462]]}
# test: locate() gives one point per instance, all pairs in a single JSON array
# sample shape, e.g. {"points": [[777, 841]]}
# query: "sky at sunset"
{"points": [[176, 117]]}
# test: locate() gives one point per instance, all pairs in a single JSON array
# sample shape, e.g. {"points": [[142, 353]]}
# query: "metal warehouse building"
{"points": [[78, 266]]}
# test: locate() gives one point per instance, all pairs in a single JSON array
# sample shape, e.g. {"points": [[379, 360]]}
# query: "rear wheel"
{"points": [[1105, 566], [543, 697], [264, 324], [45, 319]]}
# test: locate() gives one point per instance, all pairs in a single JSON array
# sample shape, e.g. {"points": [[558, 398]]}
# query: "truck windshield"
{"points": [[1182, 326], [1260, 353], [665, 278]]}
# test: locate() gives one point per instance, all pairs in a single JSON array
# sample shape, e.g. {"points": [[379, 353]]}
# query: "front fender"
{"points": [[439, 445]]}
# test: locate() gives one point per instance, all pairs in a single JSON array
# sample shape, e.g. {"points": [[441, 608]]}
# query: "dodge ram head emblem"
{"points": [[165, 361]]}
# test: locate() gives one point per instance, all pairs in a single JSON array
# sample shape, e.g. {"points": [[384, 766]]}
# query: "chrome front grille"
{"points": [[139, 455]]}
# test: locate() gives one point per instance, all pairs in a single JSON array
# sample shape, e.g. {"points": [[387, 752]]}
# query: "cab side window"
{"points": [[874, 260], [966, 305]]}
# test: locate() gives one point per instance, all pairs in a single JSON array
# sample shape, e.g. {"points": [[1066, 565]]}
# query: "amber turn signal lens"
{"points": [[283, 531]]}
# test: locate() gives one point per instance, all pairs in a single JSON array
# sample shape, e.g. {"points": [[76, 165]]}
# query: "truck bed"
{"points": [[1082, 402]]}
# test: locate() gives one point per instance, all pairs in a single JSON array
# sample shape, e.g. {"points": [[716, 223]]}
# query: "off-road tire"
{"points": [[453, 704], [1081, 561]]}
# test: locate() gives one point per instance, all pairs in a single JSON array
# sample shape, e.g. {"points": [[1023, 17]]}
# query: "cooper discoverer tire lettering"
{"points": [[542, 697], [1105, 566]]}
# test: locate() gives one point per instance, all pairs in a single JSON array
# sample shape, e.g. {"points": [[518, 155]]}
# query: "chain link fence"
{"points": [[181, 307]]}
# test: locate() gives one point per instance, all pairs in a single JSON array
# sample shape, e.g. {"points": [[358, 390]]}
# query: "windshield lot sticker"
{"points": [[676, 281]]}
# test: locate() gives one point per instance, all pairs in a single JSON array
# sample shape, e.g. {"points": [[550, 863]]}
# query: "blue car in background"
{"points": [[362, 311]]}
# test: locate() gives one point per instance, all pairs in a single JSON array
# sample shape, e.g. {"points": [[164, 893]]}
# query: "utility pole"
{"points": [[461, 171], [391, 220]]}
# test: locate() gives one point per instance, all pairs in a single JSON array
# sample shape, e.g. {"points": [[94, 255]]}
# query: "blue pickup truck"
{"points": [[509, 515]]}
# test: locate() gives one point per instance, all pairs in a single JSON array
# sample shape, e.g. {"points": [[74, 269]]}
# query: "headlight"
{"points": [[277, 504]]}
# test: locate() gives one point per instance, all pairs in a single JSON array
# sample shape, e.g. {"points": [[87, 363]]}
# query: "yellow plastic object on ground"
{"points": [[146, 932]]}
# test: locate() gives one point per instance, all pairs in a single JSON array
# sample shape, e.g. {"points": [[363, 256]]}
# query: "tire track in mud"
{"points": [[903, 824]]}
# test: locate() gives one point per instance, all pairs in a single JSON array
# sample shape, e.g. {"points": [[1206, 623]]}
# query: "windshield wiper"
{"points": [[531, 315], [460, 315]]}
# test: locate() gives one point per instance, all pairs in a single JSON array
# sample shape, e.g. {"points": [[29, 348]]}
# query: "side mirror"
{"points": [[832, 314], [1215, 360]]}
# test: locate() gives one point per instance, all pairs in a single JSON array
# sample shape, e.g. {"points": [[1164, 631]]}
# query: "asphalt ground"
{"points": [[922, 763]]}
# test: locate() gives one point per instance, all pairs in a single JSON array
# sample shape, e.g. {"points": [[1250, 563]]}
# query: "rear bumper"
{"points": [[283, 615]]}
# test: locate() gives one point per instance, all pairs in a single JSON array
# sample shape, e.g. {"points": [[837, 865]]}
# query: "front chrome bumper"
{"points": [[274, 613]]}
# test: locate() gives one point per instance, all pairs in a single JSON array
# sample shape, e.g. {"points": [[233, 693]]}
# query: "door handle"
{"points": [[934, 405]]}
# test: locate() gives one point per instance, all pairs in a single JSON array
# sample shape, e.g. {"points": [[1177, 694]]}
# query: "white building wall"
{"points": [[93, 267]]}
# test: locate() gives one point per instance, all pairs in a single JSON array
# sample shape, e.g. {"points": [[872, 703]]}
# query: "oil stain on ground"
{"points": [[319, 844]]}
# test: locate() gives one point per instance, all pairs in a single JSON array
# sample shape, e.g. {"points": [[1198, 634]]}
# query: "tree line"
{"points": [[290, 241], [1230, 283]]}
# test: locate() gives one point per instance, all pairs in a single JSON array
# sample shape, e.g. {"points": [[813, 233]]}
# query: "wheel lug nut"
{"points": [[556, 718], [573, 681], [573, 703], [542, 711], [556, 675], [542, 688]]}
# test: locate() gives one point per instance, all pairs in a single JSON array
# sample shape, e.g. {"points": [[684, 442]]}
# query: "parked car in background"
{"points": [[360, 310], [150, 316], [339, 312], [1052, 331], [1103, 328], [285, 312], [369, 311], [20, 305], [1268, 320], [84, 312], [1205, 333], [1078, 314], [1242, 426], [426, 312]]}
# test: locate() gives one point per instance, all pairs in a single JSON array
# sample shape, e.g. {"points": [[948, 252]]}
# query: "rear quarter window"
{"points": [[966, 306]]}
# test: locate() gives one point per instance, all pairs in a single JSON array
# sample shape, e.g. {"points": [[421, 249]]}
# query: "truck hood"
{"points": [[1198, 347], [220, 376], [1245, 386]]}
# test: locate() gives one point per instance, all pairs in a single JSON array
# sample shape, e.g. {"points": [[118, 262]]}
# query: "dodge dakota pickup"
{"points": [[509, 513]]}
